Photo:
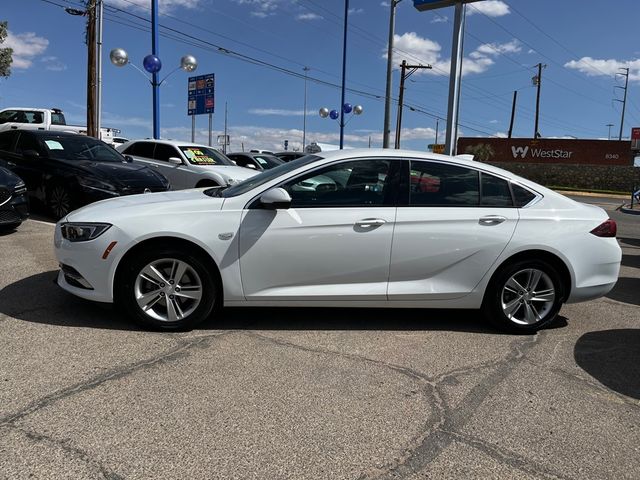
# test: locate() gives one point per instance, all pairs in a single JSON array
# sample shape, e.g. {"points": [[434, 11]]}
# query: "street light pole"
{"points": [[455, 77], [155, 40], [304, 114], [609, 125], [344, 71], [387, 106]]}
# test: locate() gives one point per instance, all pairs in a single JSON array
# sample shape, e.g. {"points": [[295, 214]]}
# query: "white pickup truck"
{"points": [[45, 119]]}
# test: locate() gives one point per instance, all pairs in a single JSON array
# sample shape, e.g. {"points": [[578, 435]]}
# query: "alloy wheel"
{"points": [[59, 201], [168, 290], [528, 296]]}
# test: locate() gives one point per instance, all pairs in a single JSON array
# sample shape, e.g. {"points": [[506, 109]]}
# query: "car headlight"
{"points": [[95, 184], [82, 232]]}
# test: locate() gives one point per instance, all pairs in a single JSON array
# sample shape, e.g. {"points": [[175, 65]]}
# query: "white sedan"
{"points": [[351, 228]]}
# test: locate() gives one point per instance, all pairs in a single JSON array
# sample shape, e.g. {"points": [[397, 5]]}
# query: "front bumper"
{"points": [[14, 211]]}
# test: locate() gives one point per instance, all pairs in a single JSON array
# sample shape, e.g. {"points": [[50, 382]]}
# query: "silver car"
{"points": [[186, 165]]}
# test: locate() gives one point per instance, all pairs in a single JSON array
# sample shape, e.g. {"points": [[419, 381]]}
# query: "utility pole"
{"points": [[91, 69], [403, 76], [437, 128], [455, 79], [155, 47], [387, 106], [609, 125], [537, 81], [513, 112], [344, 71], [624, 101], [99, 21]]}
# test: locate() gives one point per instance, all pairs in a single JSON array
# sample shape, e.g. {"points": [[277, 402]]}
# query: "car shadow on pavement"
{"points": [[632, 261], [632, 242], [626, 290], [613, 358], [37, 299]]}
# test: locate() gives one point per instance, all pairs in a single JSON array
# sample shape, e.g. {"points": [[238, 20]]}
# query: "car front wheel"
{"points": [[167, 289], [524, 297]]}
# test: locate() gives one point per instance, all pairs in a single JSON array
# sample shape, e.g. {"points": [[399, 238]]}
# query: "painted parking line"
{"points": [[42, 222]]}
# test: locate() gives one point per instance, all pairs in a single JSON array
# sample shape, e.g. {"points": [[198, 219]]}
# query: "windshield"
{"points": [[205, 156], [261, 179], [80, 147]]}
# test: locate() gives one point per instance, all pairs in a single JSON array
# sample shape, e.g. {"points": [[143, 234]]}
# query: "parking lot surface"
{"points": [[313, 393]]}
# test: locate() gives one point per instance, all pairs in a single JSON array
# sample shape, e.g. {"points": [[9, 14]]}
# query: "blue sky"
{"points": [[582, 43]]}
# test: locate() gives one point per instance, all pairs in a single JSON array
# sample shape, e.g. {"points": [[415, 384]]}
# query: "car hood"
{"points": [[130, 206], [234, 172], [125, 174]]}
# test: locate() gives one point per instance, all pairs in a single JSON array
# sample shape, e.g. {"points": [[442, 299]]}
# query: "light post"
{"points": [[304, 114], [609, 125], [152, 64], [344, 71], [347, 108]]}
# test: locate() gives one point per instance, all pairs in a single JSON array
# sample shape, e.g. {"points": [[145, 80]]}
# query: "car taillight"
{"points": [[606, 229]]}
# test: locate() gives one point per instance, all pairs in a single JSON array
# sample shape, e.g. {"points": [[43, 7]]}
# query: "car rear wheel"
{"points": [[59, 201], [167, 289], [524, 296]]}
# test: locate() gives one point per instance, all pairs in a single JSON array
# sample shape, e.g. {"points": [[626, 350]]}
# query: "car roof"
{"points": [[175, 143], [51, 133]]}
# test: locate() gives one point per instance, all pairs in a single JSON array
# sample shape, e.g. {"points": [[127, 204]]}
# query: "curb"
{"points": [[592, 194], [629, 211]]}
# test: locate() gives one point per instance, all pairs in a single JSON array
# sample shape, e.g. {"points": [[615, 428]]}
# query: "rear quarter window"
{"points": [[522, 196]]}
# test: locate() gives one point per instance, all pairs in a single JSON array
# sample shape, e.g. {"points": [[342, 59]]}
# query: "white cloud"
{"points": [[280, 112], [494, 122], [309, 16], [26, 46], [163, 5], [501, 135], [415, 49], [593, 67], [491, 8], [355, 11], [440, 19], [53, 64], [385, 4]]}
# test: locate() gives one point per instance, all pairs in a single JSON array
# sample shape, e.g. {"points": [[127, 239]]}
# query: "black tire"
{"points": [[521, 310], [59, 201], [129, 288]]}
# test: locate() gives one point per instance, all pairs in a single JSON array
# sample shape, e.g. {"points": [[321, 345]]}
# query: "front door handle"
{"points": [[370, 222], [491, 220]]}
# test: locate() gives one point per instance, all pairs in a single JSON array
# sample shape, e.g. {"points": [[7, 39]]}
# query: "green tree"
{"points": [[482, 152], [5, 53]]}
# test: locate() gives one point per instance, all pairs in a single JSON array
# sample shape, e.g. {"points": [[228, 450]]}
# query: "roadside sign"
{"points": [[424, 5], [635, 133], [200, 94], [436, 147]]}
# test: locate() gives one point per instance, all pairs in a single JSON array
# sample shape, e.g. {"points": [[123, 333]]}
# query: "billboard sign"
{"points": [[424, 5], [200, 94], [635, 133]]}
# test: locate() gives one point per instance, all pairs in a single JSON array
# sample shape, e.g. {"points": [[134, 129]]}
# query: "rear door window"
{"points": [[141, 149], [495, 192], [438, 184]]}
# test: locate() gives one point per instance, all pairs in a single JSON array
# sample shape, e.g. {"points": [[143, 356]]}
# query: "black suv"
{"points": [[14, 206], [66, 171]]}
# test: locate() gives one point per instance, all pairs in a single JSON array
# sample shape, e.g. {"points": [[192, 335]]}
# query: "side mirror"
{"points": [[250, 165], [30, 154], [175, 160], [128, 158], [276, 199]]}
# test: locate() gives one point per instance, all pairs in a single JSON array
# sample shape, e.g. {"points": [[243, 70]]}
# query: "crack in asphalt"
{"points": [[506, 457], [442, 428], [178, 351], [73, 452]]}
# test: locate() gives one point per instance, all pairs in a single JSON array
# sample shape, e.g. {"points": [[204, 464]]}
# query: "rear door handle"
{"points": [[370, 222], [491, 220]]}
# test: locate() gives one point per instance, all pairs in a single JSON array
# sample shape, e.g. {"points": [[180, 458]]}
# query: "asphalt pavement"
{"points": [[313, 393]]}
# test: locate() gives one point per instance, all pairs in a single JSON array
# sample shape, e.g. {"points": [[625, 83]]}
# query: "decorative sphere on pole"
{"points": [[119, 57], [347, 108], [324, 112], [152, 64], [188, 63], [357, 110], [334, 114]]}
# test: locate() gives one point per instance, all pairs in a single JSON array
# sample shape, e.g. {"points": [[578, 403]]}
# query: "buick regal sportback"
{"points": [[351, 228]]}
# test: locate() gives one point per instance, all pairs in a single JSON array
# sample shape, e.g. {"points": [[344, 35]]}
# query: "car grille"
{"points": [[9, 216], [5, 195]]}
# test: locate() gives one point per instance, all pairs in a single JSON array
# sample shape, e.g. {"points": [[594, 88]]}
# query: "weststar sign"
{"points": [[523, 150]]}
